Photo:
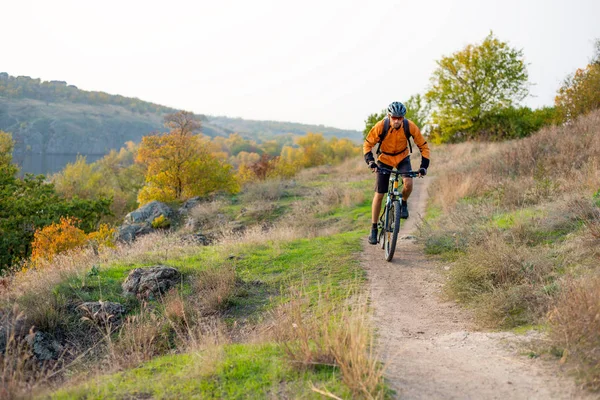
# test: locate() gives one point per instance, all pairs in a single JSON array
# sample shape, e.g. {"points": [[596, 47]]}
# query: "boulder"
{"points": [[189, 204], [150, 283], [43, 346], [128, 233], [148, 213], [103, 312], [198, 238], [139, 222]]}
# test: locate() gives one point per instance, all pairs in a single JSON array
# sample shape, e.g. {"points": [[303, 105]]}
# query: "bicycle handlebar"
{"points": [[409, 174]]}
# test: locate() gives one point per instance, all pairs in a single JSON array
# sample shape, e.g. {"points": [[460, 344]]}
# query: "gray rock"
{"points": [[149, 283], [128, 233], [198, 238], [189, 204], [102, 312], [44, 347], [148, 213]]}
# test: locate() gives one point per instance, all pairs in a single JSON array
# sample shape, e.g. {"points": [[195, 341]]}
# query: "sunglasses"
{"points": [[396, 118]]}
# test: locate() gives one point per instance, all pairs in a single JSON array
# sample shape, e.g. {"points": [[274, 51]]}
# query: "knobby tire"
{"points": [[392, 227]]}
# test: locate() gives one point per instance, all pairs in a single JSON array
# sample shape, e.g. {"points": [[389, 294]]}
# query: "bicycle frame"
{"points": [[389, 220]]}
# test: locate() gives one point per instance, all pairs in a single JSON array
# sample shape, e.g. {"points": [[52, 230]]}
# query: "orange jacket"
{"points": [[395, 142]]}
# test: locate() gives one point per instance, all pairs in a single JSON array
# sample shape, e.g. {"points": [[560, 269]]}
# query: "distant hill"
{"points": [[56, 118]]}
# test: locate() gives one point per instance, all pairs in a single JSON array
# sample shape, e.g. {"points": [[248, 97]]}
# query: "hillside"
{"points": [[249, 266], [57, 118], [516, 226]]}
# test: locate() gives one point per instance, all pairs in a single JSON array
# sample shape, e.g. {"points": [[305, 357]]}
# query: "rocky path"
{"points": [[430, 346]]}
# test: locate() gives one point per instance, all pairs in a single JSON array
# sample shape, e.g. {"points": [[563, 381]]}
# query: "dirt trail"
{"points": [[430, 346]]}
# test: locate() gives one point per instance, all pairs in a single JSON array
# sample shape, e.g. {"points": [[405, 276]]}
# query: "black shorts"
{"points": [[383, 180]]}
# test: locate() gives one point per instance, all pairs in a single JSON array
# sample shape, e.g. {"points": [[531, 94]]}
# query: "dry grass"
{"points": [[206, 216], [213, 288], [589, 213], [519, 219], [20, 373], [575, 323], [142, 337], [555, 161], [265, 191], [338, 196], [507, 284], [338, 336]]}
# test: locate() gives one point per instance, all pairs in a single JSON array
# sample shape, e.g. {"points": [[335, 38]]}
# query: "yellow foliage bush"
{"points": [[57, 238], [103, 237], [65, 235]]}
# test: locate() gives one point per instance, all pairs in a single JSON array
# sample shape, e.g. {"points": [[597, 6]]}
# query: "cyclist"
{"points": [[394, 153]]}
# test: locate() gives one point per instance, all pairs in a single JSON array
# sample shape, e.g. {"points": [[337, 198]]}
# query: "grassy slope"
{"points": [[265, 271], [518, 224]]}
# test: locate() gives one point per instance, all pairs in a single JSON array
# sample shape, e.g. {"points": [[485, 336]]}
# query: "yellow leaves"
{"points": [[65, 235], [161, 222], [103, 237], [180, 166], [580, 93], [57, 238]]}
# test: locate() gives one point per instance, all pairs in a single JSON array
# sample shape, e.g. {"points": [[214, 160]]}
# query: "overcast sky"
{"points": [[318, 62]]}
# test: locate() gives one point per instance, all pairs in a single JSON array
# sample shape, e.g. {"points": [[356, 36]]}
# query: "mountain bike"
{"points": [[389, 221]]}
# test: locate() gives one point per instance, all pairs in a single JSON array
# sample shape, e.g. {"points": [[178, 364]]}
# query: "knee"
{"points": [[378, 196], [408, 183]]}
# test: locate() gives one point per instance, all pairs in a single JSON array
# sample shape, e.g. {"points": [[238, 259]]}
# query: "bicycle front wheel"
{"points": [[392, 227]]}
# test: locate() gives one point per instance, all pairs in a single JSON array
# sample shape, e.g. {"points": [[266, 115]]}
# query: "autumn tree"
{"points": [[580, 92], [314, 149], [475, 81], [179, 164], [80, 179]]}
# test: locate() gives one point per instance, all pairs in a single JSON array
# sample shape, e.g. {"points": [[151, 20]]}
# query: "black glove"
{"points": [[373, 165], [424, 166]]}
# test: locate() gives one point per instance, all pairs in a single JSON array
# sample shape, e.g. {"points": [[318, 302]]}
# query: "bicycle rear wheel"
{"points": [[392, 227]]}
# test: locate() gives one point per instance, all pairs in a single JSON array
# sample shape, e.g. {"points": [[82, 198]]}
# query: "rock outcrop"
{"points": [[139, 222], [150, 283]]}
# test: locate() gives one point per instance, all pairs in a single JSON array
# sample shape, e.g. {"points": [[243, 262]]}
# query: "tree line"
{"points": [[52, 91]]}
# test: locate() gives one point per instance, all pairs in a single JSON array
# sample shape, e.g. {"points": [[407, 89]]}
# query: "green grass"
{"points": [[432, 213], [265, 272], [507, 220], [243, 371], [524, 329]]}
